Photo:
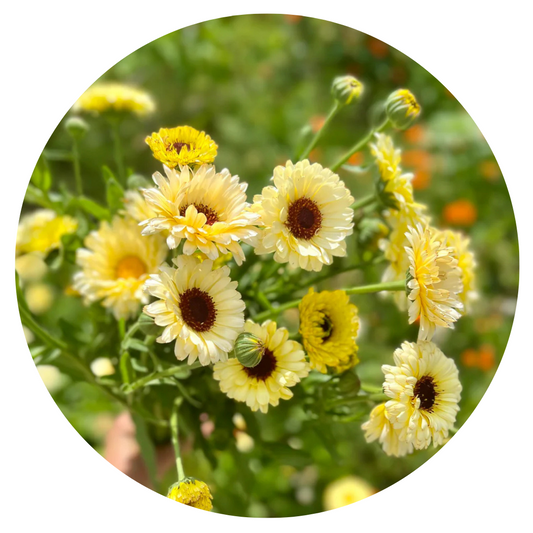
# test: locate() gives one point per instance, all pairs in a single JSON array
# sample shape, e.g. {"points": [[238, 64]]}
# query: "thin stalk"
{"points": [[119, 157], [169, 372], [359, 145], [175, 438], [77, 169], [318, 134], [363, 202]]}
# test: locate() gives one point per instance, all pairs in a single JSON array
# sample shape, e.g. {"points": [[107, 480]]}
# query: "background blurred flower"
{"points": [[460, 213], [345, 491], [39, 297]]}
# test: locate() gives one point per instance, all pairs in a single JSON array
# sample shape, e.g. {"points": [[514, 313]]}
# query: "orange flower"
{"points": [[378, 48], [317, 122], [487, 358], [293, 19], [421, 180], [315, 155], [460, 213], [418, 159], [469, 358], [415, 134], [356, 159], [490, 170]]}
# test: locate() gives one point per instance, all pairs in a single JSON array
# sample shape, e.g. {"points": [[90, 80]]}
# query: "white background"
{"points": [[51, 480]]}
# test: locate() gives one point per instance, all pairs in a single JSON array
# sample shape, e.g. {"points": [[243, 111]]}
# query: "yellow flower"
{"points": [[329, 324], [434, 281], [346, 490], [207, 209], [306, 216], [31, 267], [425, 391], [115, 264], [39, 297], [380, 428], [182, 146], [41, 231], [402, 108], [199, 307], [191, 492], [465, 261], [281, 366], [107, 97]]}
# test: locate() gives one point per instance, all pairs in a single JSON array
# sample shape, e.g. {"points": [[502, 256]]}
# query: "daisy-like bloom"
{"points": [[282, 366], [395, 185], [306, 216], [182, 146], [114, 97], [380, 428], [434, 281], [465, 261], [424, 391], [41, 231], [207, 209], [199, 307], [329, 324], [402, 108], [191, 492], [115, 263], [346, 490]]}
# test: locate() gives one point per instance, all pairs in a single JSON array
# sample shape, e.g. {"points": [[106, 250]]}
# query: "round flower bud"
{"points": [[402, 108], [248, 350], [76, 127], [346, 89], [191, 492]]}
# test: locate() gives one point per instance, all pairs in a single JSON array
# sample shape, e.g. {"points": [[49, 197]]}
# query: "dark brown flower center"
{"points": [[178, 146], [209, 213], [327, 328], [425, 390], [265, 368], [304, 218], [197, 309]]}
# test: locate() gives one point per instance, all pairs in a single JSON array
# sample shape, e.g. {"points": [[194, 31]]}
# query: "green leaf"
{"points": [[91, 207], [114, 191], [148, 452], [136, 344]]}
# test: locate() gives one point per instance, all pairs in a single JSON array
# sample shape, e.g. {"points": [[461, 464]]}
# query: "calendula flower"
{"points": [[329, 324], [191, 492], [41, 231], [381, 429], [306, 216], [182, 146], [115, 263], [434, 281], [106, 97], [199, 307], [393, 247], [282, 366], [402, 108], [424, 391], [396, 188], [207, 209], [346, 490], [465, 261]]}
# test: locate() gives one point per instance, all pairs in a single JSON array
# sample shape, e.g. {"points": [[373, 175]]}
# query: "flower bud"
{"points": [[248, 350], [191, 492], [76, 127], [402, 108], [346, 89]]}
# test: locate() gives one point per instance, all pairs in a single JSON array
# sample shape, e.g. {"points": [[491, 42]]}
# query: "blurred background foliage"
{"points": [[260, 86]]}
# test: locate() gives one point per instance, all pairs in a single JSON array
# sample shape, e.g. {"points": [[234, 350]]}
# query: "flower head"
{"points": [[434, 281], [115, 97], [199, 307], [380, 428], [181, 146], [115, 263], [346, 490], [402, 108], [306, 216], [329, 324], [424, 391], [206, 208], [191, 492], [281, 366], [41, 231], [346, 89]]}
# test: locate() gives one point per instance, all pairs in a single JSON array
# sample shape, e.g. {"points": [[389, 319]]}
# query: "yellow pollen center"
{"points": [[130, 267]]}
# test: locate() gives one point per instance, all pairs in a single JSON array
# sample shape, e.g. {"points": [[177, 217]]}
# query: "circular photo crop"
{"points": [[267, 266]]}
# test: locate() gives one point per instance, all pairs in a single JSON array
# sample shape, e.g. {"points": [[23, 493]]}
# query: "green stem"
{"points": [[318, 134], [77, 170], [175, 438], [363, 202], [359, 145], [169, 372], [41, 333], [371, 389], [119, 157]]}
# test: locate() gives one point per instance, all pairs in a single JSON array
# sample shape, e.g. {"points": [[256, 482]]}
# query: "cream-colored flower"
{"points": [[206, 209], [41, 231], [39, 297], [199, 307], [434, 281], [380, 428], [31, 267], [346, 490], [425, 391], [115, 263], [306, 216], [465, 261], [282, 366]]}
